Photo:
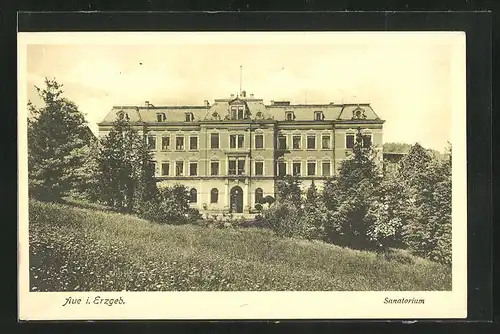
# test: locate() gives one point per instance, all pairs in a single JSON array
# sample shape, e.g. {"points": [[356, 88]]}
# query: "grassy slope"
{"points": [[84, 249]]}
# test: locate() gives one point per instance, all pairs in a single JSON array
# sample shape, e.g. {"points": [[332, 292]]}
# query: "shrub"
{"points": [[268, 199], [286, 219], [170, 206]]}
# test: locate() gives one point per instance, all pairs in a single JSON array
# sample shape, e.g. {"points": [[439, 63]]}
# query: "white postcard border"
{"points": [[250, 305]]}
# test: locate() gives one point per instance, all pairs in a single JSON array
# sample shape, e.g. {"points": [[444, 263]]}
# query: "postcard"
{"points": [[242, 175]]}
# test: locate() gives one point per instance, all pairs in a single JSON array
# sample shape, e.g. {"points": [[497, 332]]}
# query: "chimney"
{"points": [[244, 94], [146, 103], [207, 103]]}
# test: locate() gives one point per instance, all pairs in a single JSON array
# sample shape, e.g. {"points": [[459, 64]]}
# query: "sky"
{"points": [[408, 81]]}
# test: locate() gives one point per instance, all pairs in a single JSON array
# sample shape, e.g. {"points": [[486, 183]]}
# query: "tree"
{"points": [[359, 176], [413, 163], [397, 147], [428, 231], [288, 188], [330, 195], [58, 140], [125, 169], [312, 196]]}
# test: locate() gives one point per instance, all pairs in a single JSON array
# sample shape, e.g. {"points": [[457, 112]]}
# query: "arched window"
{"points": [[259, 195], [193, 196], [214, 195]]}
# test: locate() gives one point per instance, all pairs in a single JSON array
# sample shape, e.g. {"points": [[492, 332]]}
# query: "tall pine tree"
{"points": [[125, 169], [58, 138]]}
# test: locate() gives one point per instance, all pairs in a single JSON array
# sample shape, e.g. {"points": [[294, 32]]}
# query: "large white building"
{"points": [[230, 153]]}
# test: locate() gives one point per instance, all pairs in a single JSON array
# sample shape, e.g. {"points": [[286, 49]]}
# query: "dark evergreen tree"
{"points": [[359, 176], [312, 196], [125, 168], [58, 140], [288, 188]]}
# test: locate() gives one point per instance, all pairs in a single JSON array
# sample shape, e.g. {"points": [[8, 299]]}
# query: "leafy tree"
{"points": [[413, 163], [58, 140], [388, 210], [428, 231], [397, 147]]}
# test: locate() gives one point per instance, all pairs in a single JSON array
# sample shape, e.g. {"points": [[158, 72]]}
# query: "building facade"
{"points": [[230, 153]]}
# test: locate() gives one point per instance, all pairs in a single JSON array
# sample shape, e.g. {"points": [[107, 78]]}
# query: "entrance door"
{"points": [[236, 200]]}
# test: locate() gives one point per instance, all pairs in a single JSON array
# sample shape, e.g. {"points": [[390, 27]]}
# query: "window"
{"points": [[214, 168], [311, 168], [259, 168], [296, 142], [179, 143], [189, 117], [193, 168], [236, 166], [311, 142], [165, 143], [259, 141], [214, 140], [326, 168], [236, 141], [282, 142], [349, 141], [289, 116], [214, 195], [161, 117], [193, 143], [318, 115], [151, 142], [325, 142], [193, 196], [296, 168], [238, 112], [259, 195], [179, 168], [367, 140], [241, 166], [281, 168], [165, 168], [232, 167]]}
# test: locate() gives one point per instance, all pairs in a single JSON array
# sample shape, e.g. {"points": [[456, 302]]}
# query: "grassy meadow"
{"points": [[87, 249]]}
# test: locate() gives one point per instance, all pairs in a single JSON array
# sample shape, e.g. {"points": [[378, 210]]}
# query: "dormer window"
{"points": [[161, 117], [237, 112], [318, 116], [123, 115], [289, 115], [189, 117], [358, 114]]}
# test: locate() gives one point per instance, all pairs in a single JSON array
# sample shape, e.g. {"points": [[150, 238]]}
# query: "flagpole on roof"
{"points": [[241, 76]]}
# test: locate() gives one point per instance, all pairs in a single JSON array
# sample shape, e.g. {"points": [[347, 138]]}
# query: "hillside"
{"points": [[83, 249]]}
